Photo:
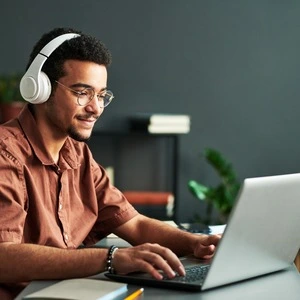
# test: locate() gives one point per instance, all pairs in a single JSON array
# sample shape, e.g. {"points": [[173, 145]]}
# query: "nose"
{"points": [[94, 106]]}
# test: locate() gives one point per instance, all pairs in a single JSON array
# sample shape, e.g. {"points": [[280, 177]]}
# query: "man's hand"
{"points": [[206, 246], [149, 258]]}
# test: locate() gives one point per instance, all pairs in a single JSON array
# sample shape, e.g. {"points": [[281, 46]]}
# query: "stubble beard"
{"points": [[74, 134]]}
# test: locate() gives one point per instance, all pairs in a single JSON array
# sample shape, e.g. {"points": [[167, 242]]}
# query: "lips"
{"points": [[87, 122]]}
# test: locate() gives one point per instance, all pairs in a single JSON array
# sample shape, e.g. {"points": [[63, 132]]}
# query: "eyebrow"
{"points": [[84, 85]]}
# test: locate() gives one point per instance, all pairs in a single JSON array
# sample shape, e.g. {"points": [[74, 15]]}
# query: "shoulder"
{"points": [[10, 130], [13, 140]]}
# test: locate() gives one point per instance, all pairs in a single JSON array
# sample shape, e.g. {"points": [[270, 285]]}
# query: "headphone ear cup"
{"points": [[45, 88], [28, 88], [35, 90]]}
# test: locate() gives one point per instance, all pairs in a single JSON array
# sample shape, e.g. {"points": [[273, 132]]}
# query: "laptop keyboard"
{"points": [[193, 273]]}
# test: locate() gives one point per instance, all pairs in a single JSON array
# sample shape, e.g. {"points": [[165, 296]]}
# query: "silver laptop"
{"points": [[262, 236]]}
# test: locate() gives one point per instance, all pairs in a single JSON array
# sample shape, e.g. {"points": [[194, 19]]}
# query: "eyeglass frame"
{"points": [[99, 96]]}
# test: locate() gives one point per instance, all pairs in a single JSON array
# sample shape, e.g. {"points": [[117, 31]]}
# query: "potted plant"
{"points": [[11, 101], [222, 196]]}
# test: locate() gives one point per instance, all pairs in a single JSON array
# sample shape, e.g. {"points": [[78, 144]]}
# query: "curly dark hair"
{"points": [[84, 48]]}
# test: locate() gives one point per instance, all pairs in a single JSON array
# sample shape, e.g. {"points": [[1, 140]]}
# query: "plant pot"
{"points": [[10, 111]]}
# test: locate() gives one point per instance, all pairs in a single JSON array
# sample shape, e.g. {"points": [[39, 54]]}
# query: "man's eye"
{"points": [[83, 93]]}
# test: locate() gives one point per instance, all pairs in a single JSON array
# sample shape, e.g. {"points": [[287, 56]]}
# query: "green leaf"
{"points": [[223, 196], [197, 189]]}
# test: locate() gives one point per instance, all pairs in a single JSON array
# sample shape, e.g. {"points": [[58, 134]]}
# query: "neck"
{"points": [[53, 141], [53, 145], [54, 150]]}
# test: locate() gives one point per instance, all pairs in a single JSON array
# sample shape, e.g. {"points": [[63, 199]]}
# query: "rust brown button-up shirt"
{"points": [[61, 205]]}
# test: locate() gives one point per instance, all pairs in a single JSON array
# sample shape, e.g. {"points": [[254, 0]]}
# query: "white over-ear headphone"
{"points": [[35, 86]]}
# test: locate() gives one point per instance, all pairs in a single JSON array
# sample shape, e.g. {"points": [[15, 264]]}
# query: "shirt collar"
{"points": [[34, 137]]}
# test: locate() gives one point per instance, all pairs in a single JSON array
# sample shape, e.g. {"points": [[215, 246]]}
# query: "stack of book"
{"points": [[160, 123]]}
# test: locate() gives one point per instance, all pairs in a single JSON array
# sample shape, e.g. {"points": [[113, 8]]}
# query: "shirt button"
{"points": [[66, 237]]}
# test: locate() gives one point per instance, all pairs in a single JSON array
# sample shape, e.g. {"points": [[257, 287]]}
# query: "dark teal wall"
{"points": [[232, 65]]}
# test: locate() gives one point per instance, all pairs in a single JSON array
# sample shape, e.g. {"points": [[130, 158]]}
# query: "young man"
{"points": [[54, 197]]}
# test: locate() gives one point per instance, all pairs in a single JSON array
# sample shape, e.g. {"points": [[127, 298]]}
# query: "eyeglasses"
{"points": [[86, 95]]}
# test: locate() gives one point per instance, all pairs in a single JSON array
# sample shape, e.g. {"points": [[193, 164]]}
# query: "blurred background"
{"points": [[233, 66]]}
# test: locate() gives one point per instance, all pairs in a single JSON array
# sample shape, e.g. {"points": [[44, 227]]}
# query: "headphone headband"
{"points": [[55, 43], [35, 86]]}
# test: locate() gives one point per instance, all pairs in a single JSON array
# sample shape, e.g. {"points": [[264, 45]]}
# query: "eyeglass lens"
{"points": [[87, 95]]}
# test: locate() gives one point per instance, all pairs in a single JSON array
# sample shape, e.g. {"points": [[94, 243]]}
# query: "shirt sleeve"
{"points": [[12, 198], [113, 208]]}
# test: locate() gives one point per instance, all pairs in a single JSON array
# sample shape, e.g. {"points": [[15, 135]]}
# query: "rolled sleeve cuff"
{"points": [[10, 236]]}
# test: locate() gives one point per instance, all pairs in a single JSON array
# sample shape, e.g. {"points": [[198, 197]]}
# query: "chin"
{"points": [[78, 136]]}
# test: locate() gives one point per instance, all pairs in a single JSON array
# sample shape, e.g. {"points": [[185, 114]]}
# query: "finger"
{"points": [[157, 262], [167, 261], [208, 240], [147, 267], [205, 252]]}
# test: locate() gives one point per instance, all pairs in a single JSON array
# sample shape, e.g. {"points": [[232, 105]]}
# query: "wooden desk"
{"points": [[297, 261]]}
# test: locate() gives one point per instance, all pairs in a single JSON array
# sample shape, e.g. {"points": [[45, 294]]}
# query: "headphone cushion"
{"points": [[35, 90], [45, 88]]}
